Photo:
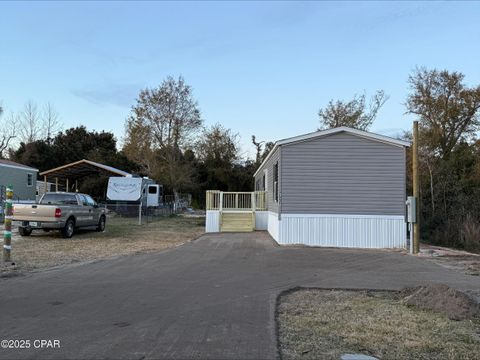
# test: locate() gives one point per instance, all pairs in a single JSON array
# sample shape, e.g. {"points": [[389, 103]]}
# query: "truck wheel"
{"points": [[101, 224], [69, 228], [24, 231]]}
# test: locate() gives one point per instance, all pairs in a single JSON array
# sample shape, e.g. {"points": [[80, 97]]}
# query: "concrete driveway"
{"points": [[213, 298]]}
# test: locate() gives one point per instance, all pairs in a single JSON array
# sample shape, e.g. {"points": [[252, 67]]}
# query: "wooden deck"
{"points": [[236, 209]]}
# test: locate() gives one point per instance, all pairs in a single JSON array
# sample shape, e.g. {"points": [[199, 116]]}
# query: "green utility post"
{"points": [[7, 234]]}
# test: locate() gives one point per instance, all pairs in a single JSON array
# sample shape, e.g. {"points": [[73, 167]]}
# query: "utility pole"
{"points": [[416, 190], [7, 234]]}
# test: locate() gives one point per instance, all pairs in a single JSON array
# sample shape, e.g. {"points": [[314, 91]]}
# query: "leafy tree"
{"points": [[160, 128], [449, 165], [448, 110], [78, 143], [38, 154], [355, 113], [217, 152], [218, 145], [72, 145], [242, 176]]}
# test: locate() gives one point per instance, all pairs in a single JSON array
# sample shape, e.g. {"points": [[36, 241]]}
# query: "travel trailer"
{"points": [[138, 190]]}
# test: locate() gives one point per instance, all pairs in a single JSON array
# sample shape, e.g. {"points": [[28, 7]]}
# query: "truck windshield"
{"points": [[59, 199]]}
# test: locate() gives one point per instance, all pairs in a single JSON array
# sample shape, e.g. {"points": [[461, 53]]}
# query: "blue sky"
{"points": [[257, 68]]}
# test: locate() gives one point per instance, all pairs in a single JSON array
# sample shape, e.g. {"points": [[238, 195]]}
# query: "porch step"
{"points": [[237, 222]]}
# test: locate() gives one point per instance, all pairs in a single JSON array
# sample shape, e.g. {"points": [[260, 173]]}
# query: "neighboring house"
{"points": [[23, 179], [339, 187]]}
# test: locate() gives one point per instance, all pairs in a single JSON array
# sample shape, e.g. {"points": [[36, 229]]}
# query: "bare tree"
{"points": [[263, 148], [258, 146], [354, 113], [50, 122], [30, 127], [7, 132]]}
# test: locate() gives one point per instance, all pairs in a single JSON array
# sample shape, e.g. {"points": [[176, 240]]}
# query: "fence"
{"points": [[146, 214]]}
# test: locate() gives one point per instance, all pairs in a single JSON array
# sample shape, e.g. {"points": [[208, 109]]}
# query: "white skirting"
{"points": [[212, 221], [261, 220], [357, 231], [273, 225]]}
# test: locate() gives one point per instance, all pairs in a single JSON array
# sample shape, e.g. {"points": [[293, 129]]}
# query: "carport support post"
{"points": [[67, 185], [7, 234], [140, 213], [56, 184], [416, 190]]}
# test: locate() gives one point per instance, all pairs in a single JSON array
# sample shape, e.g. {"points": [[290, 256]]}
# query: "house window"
{"points": [[263, 182], [275, 181], [29, 179]]}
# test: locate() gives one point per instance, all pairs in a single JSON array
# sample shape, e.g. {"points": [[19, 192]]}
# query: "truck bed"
{"points": [[34, 212]]}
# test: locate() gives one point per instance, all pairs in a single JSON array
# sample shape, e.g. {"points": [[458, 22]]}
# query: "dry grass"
{"points": [[121, 237], [322, 324]]}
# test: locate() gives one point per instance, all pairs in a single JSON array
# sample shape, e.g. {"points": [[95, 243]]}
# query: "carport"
{"points": [[69, 174]]}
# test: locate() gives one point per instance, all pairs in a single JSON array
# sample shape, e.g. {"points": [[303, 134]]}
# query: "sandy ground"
{"points": [[459, 260]]}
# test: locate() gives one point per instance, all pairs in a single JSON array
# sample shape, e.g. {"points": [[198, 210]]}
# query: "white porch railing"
{"points": [[236, 201]]}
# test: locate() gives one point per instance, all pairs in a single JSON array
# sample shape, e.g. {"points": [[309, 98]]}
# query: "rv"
{"points": [[139, 190]]}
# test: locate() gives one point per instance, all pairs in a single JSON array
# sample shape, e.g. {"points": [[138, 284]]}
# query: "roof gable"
{"points": [[356, 132], [13, 164], [323, 133]]}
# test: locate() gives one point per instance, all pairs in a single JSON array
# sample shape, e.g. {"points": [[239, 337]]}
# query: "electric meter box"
{"points": [[411, 209]]}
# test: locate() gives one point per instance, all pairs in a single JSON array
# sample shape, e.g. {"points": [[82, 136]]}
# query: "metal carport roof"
{"points": [[80, 169]]}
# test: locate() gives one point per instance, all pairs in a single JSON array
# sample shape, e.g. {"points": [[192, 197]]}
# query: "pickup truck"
{"points": [[62, 211]]}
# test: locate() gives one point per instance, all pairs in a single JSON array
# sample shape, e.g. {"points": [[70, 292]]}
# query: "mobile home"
{"points": [[340, 187], [23, 179]]}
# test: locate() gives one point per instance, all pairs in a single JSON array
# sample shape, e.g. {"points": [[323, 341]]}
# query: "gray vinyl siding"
{"points": [[342, 174], [272, 204], [18, 179]]}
